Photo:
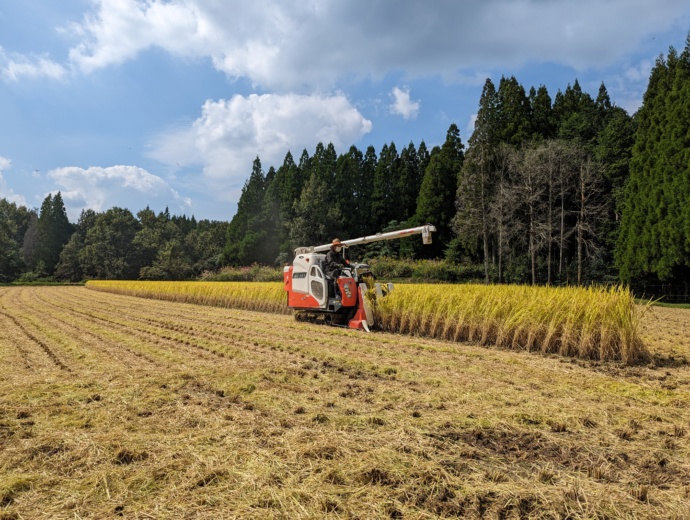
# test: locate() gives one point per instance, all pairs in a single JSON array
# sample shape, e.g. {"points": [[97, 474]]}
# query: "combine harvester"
{"points": [[312, 294]]}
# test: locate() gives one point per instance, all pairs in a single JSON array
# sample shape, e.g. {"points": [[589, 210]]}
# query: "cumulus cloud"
{"points": [[281, 44], [102, 188], [14, 67], [231, 133], [402, 104]]}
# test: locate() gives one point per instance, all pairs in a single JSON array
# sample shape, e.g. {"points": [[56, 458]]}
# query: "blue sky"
{"points": [[166, 103]]}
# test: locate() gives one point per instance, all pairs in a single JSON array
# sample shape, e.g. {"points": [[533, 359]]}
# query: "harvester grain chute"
{"points": [[347, 300]]}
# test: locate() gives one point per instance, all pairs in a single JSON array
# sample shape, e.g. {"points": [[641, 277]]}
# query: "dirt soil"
{"points": [[122, 407]]}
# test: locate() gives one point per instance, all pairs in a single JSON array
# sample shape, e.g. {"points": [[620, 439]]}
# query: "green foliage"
{"points": [[109, 251], [654, 239], [10, 257], [246, 231], [436, 200], [387, 268], [253, 273]]}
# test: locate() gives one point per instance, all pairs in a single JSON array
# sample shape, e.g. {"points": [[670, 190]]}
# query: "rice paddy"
{"points": [[114, 406], [591, 323], [255, 296]]}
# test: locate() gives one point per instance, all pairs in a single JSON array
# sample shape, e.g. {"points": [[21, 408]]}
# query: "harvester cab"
{"points": [[347, 300]]}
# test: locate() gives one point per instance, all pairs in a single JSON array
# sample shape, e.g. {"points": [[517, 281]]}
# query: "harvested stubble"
{"points": [[253, 296], [120, 407], [591, 323]]}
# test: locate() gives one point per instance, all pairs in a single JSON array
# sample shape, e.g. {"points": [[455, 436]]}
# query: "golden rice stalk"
{"points": [[592, 323], [254, 296]]}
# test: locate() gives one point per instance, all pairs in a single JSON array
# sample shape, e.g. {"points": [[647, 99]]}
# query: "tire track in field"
{"points": [[197, 324], [257, 335], [264, 342], [100, 343], [256, 346], [48, 351], [178, 346], [23, 354], [250, 324], [126, 337], [290, 330], [171, 322], [296, 351]]}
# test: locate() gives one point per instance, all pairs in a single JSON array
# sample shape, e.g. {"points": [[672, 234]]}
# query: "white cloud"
{"points": [[294, 44], [101, 188], [5, 191], [639, 72], [15, 66], [229, 134], [402, 104], [470, 124]]}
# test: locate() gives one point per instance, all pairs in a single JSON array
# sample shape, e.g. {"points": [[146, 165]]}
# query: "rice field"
{"points": [[113, 406], [255, 296], [591, 323]]}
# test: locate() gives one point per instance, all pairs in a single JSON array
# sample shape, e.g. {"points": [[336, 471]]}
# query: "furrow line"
{"points": [[23, 354], [130, 333], [49, 352], [263, 342], [326, 344], [296, 340], [182, 344], [100, 342], [193, 332]]}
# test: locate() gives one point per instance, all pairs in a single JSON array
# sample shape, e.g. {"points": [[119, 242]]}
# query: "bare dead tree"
{"points": [[592, 210], [499, 210], [528, 192]]}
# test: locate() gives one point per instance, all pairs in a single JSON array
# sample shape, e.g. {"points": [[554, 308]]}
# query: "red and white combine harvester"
{"points": [[313, 296]]}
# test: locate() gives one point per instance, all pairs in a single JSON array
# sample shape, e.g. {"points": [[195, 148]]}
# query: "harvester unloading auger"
{"points": [[313, 295]]}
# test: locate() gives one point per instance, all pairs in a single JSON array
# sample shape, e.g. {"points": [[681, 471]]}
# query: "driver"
{"points": [[335, 260]]}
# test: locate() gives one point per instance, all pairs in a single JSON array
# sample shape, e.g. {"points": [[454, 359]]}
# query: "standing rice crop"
{"points": [[254, 296], [591, 323]]}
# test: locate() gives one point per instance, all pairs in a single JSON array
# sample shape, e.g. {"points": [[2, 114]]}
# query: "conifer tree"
{"points": [[513, 124], [384, 193], [352, 193], [542, 115], [476, 186], [245, 231], [436, 200], [654, 239], [369, 166], [408, 184]]}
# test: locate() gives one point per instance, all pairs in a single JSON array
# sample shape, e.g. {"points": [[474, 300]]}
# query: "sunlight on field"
{"points": [[590, 323], [114, 406], [254, 296]]}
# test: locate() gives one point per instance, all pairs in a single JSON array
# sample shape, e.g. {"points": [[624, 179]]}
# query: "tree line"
{"points": [[569, 189], [114, 244], [535, 198]]}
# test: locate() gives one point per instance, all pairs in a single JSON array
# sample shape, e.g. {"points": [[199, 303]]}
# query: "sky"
{"points": [[166, 103]]}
